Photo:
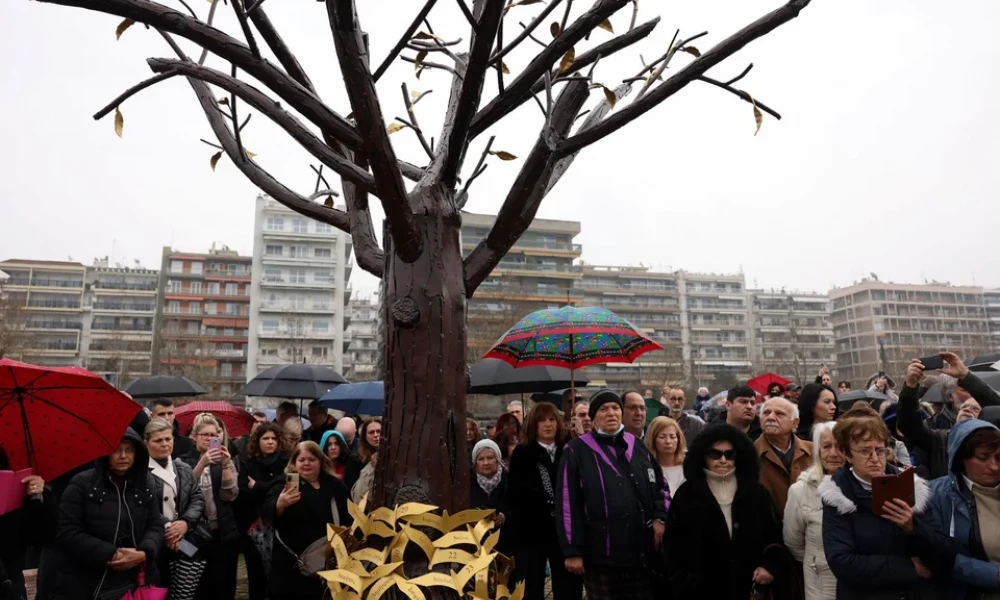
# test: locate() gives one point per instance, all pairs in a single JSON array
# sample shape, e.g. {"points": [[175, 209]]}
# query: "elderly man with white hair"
{"points": [[783, 456], [516, 408], [349, 429]]}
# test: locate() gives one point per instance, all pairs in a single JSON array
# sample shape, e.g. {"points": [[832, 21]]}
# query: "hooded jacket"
{"points": [[954, 507], [96, 517], [871, 556], [702, 559], [609, 491]]}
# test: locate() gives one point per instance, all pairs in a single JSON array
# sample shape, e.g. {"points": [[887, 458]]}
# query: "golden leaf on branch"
{"points": [[567, 60], [606, 26], [503, 67], [555, 29], [215, 159], [394, 127], [521, 3], [691, 50], [120, 123], [122, 27], [224, 100], [758, 116], [502, 155], [328, 202], [418, 63], [249, 154], [610, 96], [422, 35]]}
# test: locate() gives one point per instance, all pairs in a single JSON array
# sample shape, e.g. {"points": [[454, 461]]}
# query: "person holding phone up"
{"points": [[877, 557], [217, 535]]}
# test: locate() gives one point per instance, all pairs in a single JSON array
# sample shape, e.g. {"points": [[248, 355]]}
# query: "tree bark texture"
{"points": [[424, 457]]}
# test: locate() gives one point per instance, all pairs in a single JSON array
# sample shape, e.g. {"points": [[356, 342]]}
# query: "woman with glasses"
{"points": [[723, 535], [875, 557], [218, 536]]}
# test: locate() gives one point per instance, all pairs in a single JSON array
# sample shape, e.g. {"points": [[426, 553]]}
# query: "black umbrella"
{"points": [[984, 362], [297, 380], [846, 400], [163, 386], [497, 377]]}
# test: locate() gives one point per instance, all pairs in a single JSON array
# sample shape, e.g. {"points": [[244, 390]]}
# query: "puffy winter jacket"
{"points": [[96, 517], [954, 507], [803, 534], [609, 491]]}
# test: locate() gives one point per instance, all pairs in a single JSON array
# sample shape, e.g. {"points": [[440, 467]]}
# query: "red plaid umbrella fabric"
{"points": [[760, 383], [54, 419], [238, 422]]}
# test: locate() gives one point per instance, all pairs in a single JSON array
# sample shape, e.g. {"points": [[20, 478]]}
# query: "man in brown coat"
{"points": [[783, 456]]}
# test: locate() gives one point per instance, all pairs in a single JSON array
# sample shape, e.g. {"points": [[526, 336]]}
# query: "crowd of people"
{"points": [[763, 496]]}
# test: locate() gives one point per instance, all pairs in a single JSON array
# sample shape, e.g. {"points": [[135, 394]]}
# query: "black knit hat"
{"points": [[603, 397]]}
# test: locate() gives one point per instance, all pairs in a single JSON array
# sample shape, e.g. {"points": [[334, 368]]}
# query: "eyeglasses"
{"points": [[714, 454], [866, 453]]}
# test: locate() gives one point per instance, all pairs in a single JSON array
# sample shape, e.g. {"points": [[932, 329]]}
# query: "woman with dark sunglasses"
{"points": [[721, 511]]}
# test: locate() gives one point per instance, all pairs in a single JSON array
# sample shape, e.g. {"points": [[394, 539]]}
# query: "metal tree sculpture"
{"points": [[425, 280]]}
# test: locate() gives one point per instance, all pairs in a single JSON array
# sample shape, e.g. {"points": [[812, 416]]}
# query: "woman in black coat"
{"points": [[263, 469], [34, 524], [530, 531], [182, 505], [110, 526], [721, 522], [878, 557], [300, 516], [817, 404]]}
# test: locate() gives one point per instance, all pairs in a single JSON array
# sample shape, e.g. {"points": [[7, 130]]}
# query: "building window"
{"points": [[196, 268], [298, 251], [194, 308], [176, 266], [321, 252], [173, 286], [213, 288], [320, 326], [323, 277], [173, 306], [192, 327], [269, 324], [323, 227], [272, 275], [273, 250], [269, 351], [225, 389], [297, 276], [320, 302], [232, 308], [210, 308], [319, 351], [195, 287], [226, 369], [300, 226], [275, 224], [232, 289]]}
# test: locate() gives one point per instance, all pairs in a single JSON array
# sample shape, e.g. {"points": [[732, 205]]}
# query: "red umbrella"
{"points": [[54, 419], [238, 422], [760, 383]]}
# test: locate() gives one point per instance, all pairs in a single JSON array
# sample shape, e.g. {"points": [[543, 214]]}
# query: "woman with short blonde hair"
{"points": [[666, 442]]}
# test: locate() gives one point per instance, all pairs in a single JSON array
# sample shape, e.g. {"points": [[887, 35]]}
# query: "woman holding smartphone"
{"points": [[217, 535], [182, 505], [299, 511]]}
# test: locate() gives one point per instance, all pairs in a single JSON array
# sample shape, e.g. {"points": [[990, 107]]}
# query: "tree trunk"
{"points": [[424, 456]]}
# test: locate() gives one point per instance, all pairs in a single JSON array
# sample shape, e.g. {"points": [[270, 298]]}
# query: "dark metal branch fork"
{"points": [[359, 149]]}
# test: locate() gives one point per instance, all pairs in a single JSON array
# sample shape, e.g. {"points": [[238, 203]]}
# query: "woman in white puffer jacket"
{"points": [[803, 526]]}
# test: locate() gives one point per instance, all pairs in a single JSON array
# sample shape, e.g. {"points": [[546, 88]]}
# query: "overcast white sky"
{"points": [[885, 161]]}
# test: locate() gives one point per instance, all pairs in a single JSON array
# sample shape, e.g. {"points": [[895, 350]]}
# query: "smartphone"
{"points": [[187, 548], [292, 480], [932, 363], [214, 444]]}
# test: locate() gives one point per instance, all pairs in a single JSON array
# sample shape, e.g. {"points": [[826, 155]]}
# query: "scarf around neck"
{"points": [[488, 484]]}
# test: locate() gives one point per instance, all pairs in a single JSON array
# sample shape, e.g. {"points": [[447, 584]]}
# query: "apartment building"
{"points": [[792, 333], [538, 272], [203, 308], [716, 330], [991, 302], [118, 331], [652, 302], [48, 297], [299, 290], [880, 326], [362, 355]]}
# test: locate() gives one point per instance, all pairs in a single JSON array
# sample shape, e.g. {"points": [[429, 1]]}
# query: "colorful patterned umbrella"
{"points": [[573, 338], [238, 421]]}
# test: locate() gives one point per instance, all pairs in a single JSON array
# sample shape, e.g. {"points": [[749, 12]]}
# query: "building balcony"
{"points": [[539, 270], [122, 307], [53, 346], [53, 325], [281, 282], [100, 287], [222, 353], [285, 333], [231, 274], [542, 248], [518, 293], [55, 304], [282, 307], [283, 234], [45, 282]]}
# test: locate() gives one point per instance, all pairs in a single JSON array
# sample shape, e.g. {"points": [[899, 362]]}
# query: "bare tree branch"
{"points": [[280, 49], [744, 95], [413, 119], [377, 150], [402, 41], [741, 75], [498, 56], [686, 75], [463, 196], [257, 99], [208, 22], [519, 90], [529, 188], [468, 16], [135, 89], [431, 65], [241, 16], [232, 50], [454, 142]]}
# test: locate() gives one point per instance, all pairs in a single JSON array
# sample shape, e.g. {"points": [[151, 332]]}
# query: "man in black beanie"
{"points": [[611, 506]]}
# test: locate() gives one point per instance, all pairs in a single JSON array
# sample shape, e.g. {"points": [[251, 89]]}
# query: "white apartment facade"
{"points": [[361, 358], [299, 290]]}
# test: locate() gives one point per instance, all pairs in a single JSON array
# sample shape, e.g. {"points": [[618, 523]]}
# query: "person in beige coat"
{"points": [[803, 523]]}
